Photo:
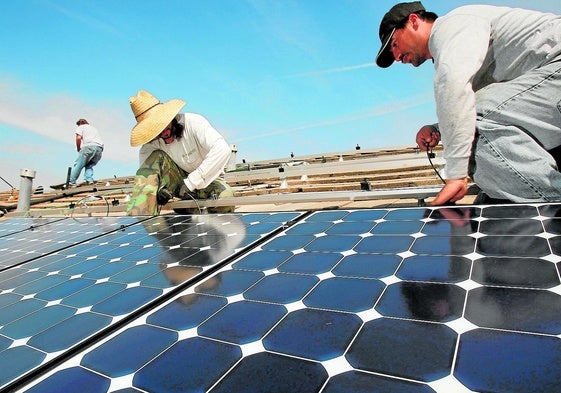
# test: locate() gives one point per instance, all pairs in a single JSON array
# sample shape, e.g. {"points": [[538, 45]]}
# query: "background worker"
{"points": [[497, 87], [181, 155], [90, 148]]}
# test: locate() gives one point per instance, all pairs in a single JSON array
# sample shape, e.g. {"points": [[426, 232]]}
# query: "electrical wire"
{"points": [[5, 181], [430, 156], [107, 203], [89, 198], [196, 203]]}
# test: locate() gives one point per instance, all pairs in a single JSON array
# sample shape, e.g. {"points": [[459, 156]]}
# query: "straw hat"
{"points": [[151, 115]]}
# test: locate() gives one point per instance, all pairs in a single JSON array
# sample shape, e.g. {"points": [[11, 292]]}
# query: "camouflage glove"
{"points": [[163, 196]]}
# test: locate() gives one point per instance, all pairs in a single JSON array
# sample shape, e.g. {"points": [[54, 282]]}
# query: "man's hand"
{"points": [[184, 193], [427, 137], [454, 190]]}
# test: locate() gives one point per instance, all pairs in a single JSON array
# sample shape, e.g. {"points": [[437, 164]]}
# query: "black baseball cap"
{"points": [[393, 18]]}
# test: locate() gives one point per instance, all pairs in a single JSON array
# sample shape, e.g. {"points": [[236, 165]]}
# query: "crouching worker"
{"points": [[182, 155]]}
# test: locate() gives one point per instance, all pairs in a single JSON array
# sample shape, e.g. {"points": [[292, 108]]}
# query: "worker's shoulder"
{"points": [[195, 122]]}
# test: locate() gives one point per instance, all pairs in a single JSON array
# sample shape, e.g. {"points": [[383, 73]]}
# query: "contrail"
{"points": [[374, 112], [331, 70], [86, 19], [303, 75]]}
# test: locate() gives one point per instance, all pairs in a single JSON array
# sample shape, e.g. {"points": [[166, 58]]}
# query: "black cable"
{"points": [[196, 202], [5, 181], [107, 203], [431, 155]]}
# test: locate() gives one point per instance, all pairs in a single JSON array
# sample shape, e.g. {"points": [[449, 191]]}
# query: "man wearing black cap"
{"points": [[497, 87]]}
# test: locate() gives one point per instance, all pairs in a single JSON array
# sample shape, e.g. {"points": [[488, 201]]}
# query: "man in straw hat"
{"points": [[497, 86], [181, 154]]}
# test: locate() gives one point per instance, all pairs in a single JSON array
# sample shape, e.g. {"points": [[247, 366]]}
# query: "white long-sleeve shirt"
{"points": [[202, 151], [474, 46]]}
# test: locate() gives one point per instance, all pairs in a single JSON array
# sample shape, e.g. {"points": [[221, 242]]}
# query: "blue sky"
{"points": [[273, 76]]}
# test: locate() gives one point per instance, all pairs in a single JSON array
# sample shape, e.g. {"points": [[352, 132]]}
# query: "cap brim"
{"points": [[385, 57]]}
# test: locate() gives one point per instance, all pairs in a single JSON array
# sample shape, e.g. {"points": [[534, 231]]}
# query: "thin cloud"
{"points": [[273, 79], [378, 111], [54, 116], [331, 70], [289, 23], [86, 19]]}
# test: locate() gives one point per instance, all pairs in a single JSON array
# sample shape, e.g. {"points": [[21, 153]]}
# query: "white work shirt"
{"points": [[202, 151]]}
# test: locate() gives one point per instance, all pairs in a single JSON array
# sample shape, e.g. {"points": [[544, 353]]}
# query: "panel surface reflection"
{"points": [[76, 278], [390, 300]]}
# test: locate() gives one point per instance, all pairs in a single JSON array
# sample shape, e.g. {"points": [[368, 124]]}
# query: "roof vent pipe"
{"points": [[26, 183]]}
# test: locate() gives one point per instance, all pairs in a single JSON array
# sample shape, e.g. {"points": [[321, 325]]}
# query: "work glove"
{"points": [[163, 196]]}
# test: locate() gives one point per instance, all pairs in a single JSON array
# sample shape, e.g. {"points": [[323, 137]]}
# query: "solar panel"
{"points": [[33, 238], [409, 300], [68, 282], [18, 224]]}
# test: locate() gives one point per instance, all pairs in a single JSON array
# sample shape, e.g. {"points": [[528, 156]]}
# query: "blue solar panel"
{"points": [[72, 280], [18, 224], [40, 237], [386, 300]]}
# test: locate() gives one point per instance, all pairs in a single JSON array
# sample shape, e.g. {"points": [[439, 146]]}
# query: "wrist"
{"points": [[190, 186], [464, 180]]}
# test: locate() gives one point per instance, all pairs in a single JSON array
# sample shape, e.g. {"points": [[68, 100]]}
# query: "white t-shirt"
{"points": [[90, 135]]}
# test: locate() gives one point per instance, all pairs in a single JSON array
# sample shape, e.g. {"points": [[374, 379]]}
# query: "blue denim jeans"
{"points": [[88, 156], [517, 123]]}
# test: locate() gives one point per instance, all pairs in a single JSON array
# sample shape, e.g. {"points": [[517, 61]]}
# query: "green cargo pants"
{"points": [[160, 172]]}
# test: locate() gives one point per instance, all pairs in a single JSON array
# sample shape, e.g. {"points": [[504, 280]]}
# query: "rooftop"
{"points": [[331, 276], [365, 178]]}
